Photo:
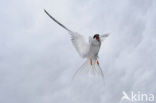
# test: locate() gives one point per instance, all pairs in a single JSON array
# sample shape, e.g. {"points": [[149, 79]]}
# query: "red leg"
{"points": [[91, 61], [97, 62]]}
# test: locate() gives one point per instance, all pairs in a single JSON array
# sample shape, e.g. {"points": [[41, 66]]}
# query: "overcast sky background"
{"points": [[38, 60]]}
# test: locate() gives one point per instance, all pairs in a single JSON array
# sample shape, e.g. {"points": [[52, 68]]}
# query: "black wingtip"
{"points": [[45, 10]]}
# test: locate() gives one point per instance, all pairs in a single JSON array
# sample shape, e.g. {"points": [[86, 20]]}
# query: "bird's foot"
{"points": [[98, 62], [91, 62]]}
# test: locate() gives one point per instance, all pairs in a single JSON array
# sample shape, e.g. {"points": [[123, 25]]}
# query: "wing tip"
{"points": [[45, 10]]}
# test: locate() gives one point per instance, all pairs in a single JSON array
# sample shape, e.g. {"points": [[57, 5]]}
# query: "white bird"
{"points": [[86, 50]]}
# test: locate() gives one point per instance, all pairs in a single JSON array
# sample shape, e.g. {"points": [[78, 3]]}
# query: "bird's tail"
{"points": [[90, 67]]}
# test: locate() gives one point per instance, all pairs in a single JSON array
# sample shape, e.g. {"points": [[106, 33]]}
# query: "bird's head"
{"points": [[97, 37]]}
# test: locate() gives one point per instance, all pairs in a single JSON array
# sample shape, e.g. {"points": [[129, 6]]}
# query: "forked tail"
{"points": [[90, 66]]}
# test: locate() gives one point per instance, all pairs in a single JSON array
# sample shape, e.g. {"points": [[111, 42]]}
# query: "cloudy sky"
{"points": [[37, 59]]}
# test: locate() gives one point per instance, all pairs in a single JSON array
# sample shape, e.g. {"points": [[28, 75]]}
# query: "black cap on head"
{"points": [[96, 35]]}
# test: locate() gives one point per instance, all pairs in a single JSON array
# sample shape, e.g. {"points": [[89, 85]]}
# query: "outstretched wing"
{"points": [[78, 40], [57, 21], [102, 37], [80, 44]]}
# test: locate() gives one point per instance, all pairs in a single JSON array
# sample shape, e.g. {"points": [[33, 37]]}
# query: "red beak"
{"points": [[97, 38]]}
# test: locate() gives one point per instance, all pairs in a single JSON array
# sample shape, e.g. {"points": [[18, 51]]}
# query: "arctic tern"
{"points": [[85, 50]]}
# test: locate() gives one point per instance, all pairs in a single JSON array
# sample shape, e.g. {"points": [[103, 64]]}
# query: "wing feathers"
{"points": [[80, 44], [77, 39], [57, 21], [104, 36]]}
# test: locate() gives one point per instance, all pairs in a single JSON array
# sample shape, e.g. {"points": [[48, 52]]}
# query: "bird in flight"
{"points": [[85, 50]]}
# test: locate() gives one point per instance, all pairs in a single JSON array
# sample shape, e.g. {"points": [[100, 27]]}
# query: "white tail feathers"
{"points": [[90, 67]]}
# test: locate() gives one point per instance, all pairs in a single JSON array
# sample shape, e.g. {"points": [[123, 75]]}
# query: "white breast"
{"points": [[94, 49]]}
